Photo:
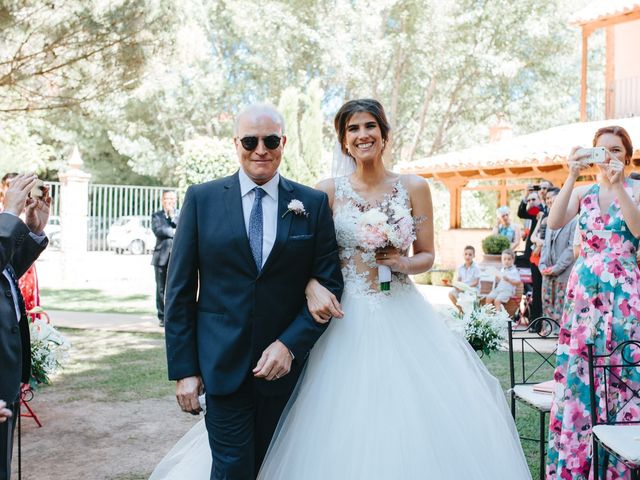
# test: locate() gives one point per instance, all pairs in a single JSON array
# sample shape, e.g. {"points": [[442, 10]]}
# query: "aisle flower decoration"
{"points": [[49, 348], [484, 327]]}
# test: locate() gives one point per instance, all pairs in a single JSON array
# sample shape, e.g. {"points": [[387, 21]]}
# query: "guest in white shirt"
{"points": [[468, 273]]}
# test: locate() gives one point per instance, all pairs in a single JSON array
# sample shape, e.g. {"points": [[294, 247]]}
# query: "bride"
{"points": [[388, 391]]}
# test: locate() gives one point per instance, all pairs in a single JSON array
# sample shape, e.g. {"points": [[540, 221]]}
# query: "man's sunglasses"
{"points": [[251, 143]]}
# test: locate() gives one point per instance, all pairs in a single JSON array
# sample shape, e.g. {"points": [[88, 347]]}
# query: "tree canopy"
{"points": [[149, 88]]}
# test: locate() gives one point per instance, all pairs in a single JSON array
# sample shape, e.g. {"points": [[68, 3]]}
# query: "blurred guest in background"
{"points": [[506, 228], [163, 224], [556, 261]]}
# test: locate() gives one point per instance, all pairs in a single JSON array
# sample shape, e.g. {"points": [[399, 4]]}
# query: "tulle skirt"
{"points": [[388, 392]]}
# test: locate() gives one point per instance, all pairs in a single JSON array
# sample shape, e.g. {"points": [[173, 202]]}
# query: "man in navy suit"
{"points": [[20, 245], [236, 320]]}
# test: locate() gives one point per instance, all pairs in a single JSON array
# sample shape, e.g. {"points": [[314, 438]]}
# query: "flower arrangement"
{"points": [[484, 327], [385, 226], [49, 348]]}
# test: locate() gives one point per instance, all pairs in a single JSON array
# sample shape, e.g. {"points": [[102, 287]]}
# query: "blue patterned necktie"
{"points": [[255, 227], [16, 283]]}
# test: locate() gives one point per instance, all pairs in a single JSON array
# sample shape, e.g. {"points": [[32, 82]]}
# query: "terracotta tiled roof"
{"points": [[546, 147], [602, 9]]}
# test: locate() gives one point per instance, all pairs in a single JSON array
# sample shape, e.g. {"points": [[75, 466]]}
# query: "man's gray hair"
{"points": [[260, 109]]}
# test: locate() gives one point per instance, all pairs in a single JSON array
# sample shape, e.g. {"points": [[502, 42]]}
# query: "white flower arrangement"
{"points": [[49, 348], [484, 327]]}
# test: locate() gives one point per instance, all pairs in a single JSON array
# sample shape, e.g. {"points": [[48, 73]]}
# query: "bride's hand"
{"points": [[392, 258], [322, 304]]}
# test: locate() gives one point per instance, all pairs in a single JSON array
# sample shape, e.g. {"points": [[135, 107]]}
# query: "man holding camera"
{"points": [[20, 245]]}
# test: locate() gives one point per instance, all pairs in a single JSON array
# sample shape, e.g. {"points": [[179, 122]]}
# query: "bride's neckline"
{"points": [[377, 201]]}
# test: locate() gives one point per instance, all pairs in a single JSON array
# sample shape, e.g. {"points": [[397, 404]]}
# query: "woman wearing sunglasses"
{"points": [[389, 391]]}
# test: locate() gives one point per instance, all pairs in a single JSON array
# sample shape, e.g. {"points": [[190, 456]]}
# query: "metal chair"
{"points": [[525, 375], [617, 438]]}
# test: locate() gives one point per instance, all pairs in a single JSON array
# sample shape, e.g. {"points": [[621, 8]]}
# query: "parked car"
{"points": [[52, 229], [131, 233]]}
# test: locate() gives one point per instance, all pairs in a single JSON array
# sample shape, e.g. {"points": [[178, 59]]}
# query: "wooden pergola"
{"points": [[538, 155]]}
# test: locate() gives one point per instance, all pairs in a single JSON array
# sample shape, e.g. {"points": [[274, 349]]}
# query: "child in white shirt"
{"points": [[508, 279]]}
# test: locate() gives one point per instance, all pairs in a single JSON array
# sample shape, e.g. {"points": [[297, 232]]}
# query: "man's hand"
{"points": [[274, 363], [17, 195], [37, 212], [322, 304], [187, 391], [5, 413]]}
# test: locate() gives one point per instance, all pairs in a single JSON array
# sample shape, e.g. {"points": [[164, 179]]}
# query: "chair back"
{"points": [[618, 384], [530, 361]]}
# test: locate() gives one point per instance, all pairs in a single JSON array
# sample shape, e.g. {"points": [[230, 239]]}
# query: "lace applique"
{"points": [[359, 267]]}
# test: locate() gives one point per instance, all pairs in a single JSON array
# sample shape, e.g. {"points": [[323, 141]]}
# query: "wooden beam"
{"points": [[583, 78], [610, 74], [612, 20]]}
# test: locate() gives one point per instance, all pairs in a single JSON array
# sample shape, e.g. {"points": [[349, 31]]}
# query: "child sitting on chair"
{"points": [[508, 279]]}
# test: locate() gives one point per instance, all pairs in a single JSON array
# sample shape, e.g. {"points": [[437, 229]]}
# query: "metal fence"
{"points": [[627, 92], [106, 205]]}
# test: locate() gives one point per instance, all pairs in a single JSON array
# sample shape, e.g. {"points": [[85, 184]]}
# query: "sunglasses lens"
{"points": [[272, 142], [249, 143]]}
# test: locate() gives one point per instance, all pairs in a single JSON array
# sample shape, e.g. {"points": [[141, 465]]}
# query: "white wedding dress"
{"points": [[389, 392]]}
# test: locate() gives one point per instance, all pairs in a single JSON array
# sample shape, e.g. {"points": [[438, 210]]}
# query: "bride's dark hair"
{"points": [[367, 105]]}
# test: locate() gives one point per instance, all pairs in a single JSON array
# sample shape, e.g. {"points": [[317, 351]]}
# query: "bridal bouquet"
{"points": [[49, 348], [385, 226], [484, 327]]}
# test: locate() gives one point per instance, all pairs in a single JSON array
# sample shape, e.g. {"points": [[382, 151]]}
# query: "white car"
{"points": [[131, 233]]}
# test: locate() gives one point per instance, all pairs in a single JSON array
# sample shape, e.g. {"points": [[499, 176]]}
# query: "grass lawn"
{"points": [[94, 300], [128, 367]]}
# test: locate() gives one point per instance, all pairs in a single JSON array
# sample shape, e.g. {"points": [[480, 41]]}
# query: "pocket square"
{"points": [[301, 237]]}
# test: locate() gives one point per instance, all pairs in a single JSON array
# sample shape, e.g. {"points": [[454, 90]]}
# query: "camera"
{"points": [[592, 155], [37, 190]]}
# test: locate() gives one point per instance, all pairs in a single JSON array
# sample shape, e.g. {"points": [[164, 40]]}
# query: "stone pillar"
{"points": [[74, 204]]}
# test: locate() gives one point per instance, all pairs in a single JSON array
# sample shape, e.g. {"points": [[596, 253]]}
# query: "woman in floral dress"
{"points": [[602, 303]]}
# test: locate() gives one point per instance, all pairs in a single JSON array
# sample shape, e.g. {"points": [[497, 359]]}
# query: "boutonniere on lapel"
{"points": [[297, 208]]}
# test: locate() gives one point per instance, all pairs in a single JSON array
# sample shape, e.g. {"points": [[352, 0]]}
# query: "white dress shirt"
{"points": [[269, 209], [12, 285]]}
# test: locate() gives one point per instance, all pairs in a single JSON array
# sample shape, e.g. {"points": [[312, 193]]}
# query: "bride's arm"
{"points": [[323, 304], [423, 247]]}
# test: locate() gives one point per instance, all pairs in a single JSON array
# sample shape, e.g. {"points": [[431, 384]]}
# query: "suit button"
{"points": [[14, 329], [7, 293]]}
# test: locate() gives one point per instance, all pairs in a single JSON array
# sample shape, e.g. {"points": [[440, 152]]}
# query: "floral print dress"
{"points": [[602, 308]]}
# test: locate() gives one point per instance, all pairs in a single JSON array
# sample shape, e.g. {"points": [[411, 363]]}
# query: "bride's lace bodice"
{"points": [[359, 267]]}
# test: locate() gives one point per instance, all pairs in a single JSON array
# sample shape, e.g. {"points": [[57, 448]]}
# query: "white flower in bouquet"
{"points": [[49, 349], [377, 229]]}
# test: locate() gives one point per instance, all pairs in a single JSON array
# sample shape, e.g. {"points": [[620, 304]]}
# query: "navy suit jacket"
{"points": [[19, 250], [221, 312]]}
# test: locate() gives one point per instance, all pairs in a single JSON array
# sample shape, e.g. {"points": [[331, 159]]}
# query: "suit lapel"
{"points": [[285, 195], [235, 214]]}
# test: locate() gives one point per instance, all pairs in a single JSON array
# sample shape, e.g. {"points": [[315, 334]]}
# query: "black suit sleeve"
{"points": [[303, 332], [161, 227], [16, 245], [180, 296], [522, 211]]}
